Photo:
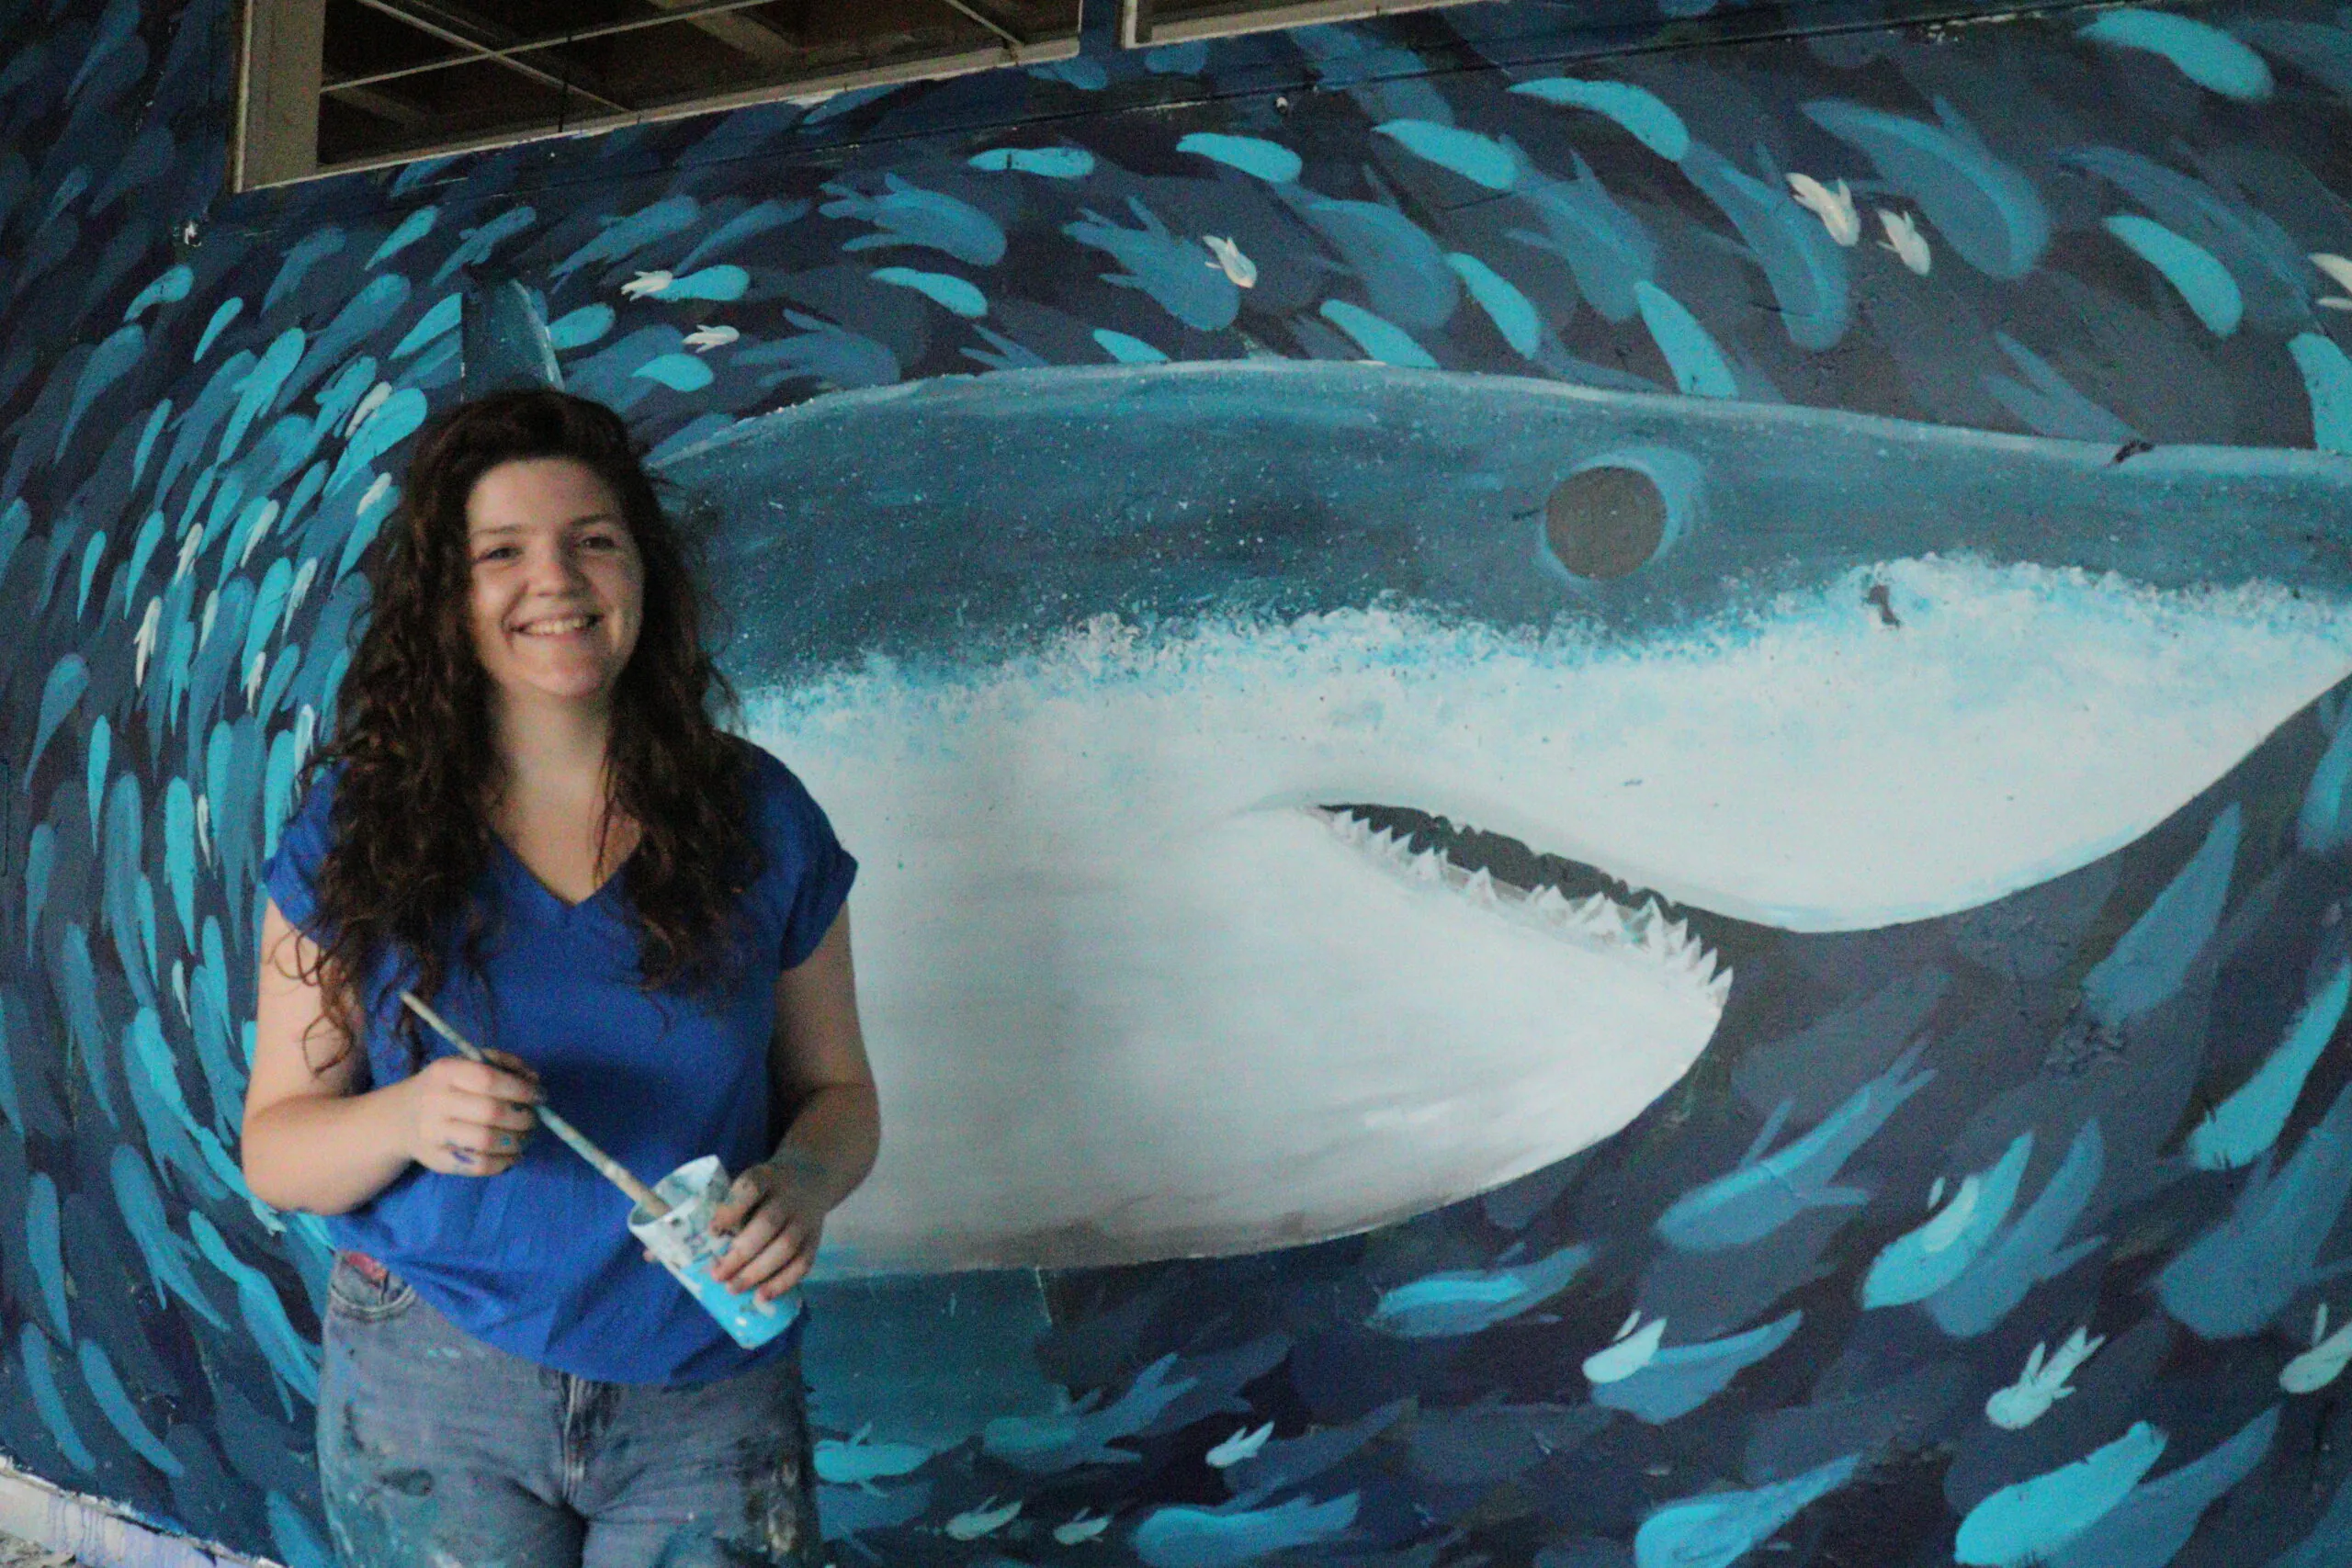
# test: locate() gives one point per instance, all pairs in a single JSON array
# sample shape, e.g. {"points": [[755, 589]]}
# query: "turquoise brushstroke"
{"points": [[1404, 271], [2149, 961], [41, 1377], [409, 230], [68, 679], [2328, 377], [722, 282], [94, 769], [105, 366], [105, 1389], [1990, 214], [1044, 1445], [578, 329], [1680, 1378], [169, 289], [1459, 1302], [1381, 340], [1127, 350], [1268, 161], [2323, 826], [2243, 1126], [1718, 1530], [2149, 1528], [394, 420], [45, 1249], [1049, 162], [444, 317], [1481, 159], [1766, 1192], [2031, 1249], [624, 237], [906, 214], [754, 220], [1637, 110], [2192, 269], [1184, 1537], [1178, 274], [1808, 270], [2240, 1275], [288, 1353], [300, 258], [474, 245], [258, 392], [2202, 52], [1920, 1262], [1513, 315], [950, 293], [140, 1203], [153, 428], [679, 372], [1607, 247], [1698, 365], [2028, 1522]]}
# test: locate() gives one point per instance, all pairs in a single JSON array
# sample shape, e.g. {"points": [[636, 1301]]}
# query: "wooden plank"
{"points": [[282, 46]]}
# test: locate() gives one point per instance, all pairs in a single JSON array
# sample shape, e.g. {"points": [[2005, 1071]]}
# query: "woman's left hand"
{"points": [[776, 1217]]}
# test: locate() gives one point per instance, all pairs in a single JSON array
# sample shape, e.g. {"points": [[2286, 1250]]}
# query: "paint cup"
{"points": [[682, 1239]]}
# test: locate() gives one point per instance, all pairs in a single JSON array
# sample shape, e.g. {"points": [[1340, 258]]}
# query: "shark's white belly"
{"points": [[1129, 995]]}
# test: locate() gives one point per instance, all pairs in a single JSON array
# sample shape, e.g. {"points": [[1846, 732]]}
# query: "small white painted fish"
{"points": [[1948, 1225], [1903, 237], [1084, 1526], [702, 340], [2324, 1363], [367, 406], [1231, 262], [973, 1523], [646, 283], [2338, 269], [2028, 1399], [1833, 205], [1628, 1353], [1243, 1444], [144, 640]]}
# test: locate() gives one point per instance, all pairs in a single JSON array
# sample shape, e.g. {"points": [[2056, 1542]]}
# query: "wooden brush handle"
{"points": [[606, 1165]]}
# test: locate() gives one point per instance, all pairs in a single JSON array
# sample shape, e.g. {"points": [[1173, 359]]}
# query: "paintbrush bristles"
{"points": [[606, 1165]]}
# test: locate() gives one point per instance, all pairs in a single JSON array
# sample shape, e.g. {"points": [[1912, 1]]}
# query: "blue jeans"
{"points": [[436, 1450]]}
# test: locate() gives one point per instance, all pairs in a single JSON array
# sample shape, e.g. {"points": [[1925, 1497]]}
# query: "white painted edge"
{"points": [[98, 1534]]}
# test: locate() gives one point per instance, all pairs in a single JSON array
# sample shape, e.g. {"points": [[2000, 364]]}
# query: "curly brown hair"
{"points": [[410, 827]]}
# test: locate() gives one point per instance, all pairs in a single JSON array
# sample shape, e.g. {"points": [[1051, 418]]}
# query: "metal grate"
{"points": [[331, 86]]}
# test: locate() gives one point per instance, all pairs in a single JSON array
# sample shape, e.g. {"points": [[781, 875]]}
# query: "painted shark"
{"points": [[1124, 684]]}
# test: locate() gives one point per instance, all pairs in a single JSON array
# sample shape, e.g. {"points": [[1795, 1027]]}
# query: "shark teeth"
{"points": [[1595, 922]]}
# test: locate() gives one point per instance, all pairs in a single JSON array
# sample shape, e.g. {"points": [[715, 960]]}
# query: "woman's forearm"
{"points": [[832, 1138], [326, 1154]]}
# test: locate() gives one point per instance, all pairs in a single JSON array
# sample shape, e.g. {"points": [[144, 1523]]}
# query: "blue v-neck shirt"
{"points": [[538, 1261]]}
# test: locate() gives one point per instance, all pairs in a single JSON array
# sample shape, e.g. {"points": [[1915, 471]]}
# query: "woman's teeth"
{"points": [[564, 627]]}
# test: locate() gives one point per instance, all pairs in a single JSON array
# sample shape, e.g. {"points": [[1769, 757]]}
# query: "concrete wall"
{"points": [[1901, 628]]}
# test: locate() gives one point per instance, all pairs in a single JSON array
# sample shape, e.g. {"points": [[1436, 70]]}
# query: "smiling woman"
{"points": [[528, 816]]}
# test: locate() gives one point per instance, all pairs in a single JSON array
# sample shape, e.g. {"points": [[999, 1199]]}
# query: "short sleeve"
{"points": [[291, 874], [815, 871]]}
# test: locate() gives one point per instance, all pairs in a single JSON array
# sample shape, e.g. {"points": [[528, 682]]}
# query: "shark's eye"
{"points": [[1604, 522]]}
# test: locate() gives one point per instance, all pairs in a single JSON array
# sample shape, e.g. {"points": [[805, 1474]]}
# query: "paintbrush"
{"points": [[611, 1168]]}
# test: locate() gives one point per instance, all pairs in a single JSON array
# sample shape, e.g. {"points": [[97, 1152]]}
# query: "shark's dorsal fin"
{"points": [[505, 343]]}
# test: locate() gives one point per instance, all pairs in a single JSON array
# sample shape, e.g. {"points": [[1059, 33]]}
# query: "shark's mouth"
{"points": [[1576, 902]]}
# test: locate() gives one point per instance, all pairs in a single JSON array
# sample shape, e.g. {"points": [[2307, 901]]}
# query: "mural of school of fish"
{"points": [[1956, 770]]}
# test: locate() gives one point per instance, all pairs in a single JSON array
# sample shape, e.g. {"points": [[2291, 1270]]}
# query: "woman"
{"points": [[527, 816]]}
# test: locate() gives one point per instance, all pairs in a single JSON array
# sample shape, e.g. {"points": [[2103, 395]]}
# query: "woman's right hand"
{"points": [[471, 1118]]}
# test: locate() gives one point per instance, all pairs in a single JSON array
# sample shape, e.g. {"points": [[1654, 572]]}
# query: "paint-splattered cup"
{"points": [[682, 1239]]}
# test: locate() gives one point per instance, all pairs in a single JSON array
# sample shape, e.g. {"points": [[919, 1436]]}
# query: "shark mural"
{"points": [[1603, 794]]}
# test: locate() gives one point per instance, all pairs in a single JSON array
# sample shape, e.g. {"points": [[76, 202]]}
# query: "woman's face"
{"points": [[558, 587]]}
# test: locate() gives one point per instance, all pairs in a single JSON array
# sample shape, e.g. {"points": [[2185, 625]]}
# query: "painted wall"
{"points": [[1602, 792]]}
